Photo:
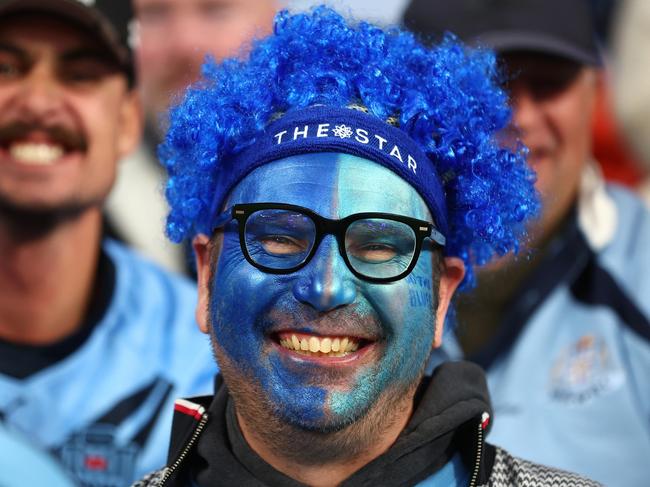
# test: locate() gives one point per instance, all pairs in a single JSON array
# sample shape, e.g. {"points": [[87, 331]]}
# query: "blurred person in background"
{"points": [[630, 53], [173, 38], [95, 343], [565, 333], [611, 147]]}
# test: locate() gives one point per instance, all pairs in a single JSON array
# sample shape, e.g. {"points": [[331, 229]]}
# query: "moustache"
{"points": [[342, 321], [69, 139]]}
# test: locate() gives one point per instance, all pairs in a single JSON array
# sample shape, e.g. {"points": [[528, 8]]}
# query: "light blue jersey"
{"points": [[105, 410], [22, 464], [453, 474], [569, 379]]}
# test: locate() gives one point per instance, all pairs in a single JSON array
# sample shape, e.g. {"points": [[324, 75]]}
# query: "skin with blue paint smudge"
{"points": [[324, 298]]}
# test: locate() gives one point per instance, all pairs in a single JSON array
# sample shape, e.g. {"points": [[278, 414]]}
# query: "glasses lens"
{"points": [[380, 248], [279, 239]]}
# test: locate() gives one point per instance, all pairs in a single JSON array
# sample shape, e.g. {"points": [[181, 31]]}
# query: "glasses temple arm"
{"points": [[223, 218], [438, 237]]}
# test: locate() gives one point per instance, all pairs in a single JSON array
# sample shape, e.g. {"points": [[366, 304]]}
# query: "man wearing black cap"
{"points": [[564, 335], [94, 341]]}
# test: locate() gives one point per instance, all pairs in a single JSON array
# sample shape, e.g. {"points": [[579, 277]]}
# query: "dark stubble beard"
{"points": [[31, 222], [313, 447]]}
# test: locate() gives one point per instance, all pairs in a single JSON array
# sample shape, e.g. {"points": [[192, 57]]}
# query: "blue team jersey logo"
{"points": [[583, 371], [95, 458], [99, 455]]}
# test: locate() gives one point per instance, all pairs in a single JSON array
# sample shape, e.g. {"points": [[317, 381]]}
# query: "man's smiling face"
{"points": [[257, 320], [66, 116]]}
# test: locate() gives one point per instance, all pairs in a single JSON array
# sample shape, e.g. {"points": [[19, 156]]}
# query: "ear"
{"points": [[452, 274], [130, 123], [201, 245]]}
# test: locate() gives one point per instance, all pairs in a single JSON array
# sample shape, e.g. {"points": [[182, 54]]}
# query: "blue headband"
{"points": [[335, 129]]}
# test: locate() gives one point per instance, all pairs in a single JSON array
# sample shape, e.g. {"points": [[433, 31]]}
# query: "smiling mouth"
{"points": [[36, 153], [34, 144], [320, 346]]}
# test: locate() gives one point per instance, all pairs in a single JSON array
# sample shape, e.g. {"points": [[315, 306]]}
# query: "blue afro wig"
{"points": [[446, 98]]}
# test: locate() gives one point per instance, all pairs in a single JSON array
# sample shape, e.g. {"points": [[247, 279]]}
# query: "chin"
{"points": [[43, 210], [318, 419]]}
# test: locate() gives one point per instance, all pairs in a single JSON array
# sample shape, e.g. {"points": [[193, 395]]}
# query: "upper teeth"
{"points": [[335, 347], [35, 153]]}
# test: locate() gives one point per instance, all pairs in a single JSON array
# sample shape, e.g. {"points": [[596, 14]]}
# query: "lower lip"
{"points": [[347, 360]]}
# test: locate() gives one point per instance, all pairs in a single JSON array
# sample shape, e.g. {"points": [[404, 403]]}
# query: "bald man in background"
{"points": [[172, 39]]}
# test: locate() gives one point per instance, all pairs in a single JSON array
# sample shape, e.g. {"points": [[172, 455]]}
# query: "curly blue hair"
{"points": [[447, 98]]}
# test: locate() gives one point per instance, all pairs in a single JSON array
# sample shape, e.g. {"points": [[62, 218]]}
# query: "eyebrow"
{"points": [[12, 49], [75, 54], [85, 53]]}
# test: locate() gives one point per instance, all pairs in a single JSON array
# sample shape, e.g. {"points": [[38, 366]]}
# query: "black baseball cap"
{"points": [[109, 20], [563, 28]]}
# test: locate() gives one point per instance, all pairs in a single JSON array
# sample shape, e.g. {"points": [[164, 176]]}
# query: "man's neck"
{"points": [[385, 432], [46, 278], [480, 313]]}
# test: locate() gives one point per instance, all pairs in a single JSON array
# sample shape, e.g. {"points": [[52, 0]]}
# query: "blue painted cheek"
{"points": [[414, 332], [405, 308], [235, 327], [409, 325], [241, 335]]}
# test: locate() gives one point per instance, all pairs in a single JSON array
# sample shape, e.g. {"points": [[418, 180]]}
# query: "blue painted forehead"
{"points": [[445, 101], [334, 185]]}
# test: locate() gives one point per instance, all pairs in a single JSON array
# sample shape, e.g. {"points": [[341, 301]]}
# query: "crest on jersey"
{"points": [[584, 370]]}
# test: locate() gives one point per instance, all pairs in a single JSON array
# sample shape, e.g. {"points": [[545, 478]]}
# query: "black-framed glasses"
{"points": [[279, 238]]}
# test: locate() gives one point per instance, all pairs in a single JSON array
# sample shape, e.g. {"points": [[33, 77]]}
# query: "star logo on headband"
{"points": [[342, 131]]}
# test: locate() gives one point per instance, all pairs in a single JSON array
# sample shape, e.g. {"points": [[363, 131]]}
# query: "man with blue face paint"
{"points": [[337, 192]]}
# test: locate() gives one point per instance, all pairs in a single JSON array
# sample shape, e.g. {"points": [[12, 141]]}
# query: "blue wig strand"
{"points": [[447, 98]]}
